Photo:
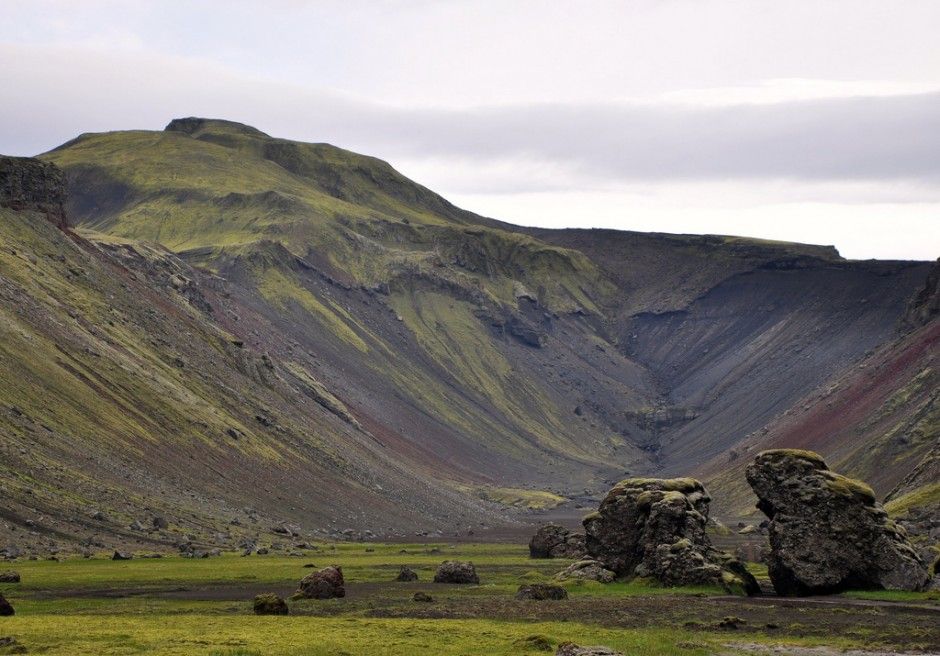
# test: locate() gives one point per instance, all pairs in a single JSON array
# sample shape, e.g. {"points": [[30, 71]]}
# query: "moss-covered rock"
{"points": [[828, 532], [270, 604], [649, 527]]}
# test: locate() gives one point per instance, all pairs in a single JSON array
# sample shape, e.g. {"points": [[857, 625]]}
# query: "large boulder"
{"points": [[9, 577], [652, 527], [827, 532], [6, 608], [554, 541], [326, 583], [452, 571]]}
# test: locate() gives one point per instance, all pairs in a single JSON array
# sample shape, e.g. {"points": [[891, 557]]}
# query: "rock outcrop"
{"points": [[924, 306], [650, 527], [31, 184], [554, 541], [452, 571], [326, 583], [270, 604], [827, 532]]}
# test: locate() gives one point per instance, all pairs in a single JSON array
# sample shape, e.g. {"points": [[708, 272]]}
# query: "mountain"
{"points": [[238, 332]]}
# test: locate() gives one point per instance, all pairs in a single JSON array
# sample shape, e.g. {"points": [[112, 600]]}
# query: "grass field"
{"points": [[181, 606]]}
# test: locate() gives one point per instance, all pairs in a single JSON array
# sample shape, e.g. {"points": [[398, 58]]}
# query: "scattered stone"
{"points": [[406, 574], [326, 583], [99, 516], [452, 571], [541, 592], [10, 645], [554, 541], [121, 555], [827, 532], [270, 604], [263, 551], [160, 523], [650, 527], [571, 649], [9, 577], [6, 609], [587, 570], [729, 622], [422, 597], [309, 565]]}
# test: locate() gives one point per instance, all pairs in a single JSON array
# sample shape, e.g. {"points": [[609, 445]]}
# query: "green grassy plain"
{"points": [[174, 605]]}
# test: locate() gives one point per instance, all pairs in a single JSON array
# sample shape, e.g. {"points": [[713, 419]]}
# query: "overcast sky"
{"points": [[807, 121]]}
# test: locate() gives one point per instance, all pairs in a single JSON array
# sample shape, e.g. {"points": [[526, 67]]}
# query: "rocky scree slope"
{"points": [[130, 411]]}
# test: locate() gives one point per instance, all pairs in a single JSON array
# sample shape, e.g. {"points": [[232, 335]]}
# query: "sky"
{"points": [[801, 120]]}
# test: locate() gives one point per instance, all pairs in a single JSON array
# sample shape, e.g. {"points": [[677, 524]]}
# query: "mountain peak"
{"points": [[194, 126]]}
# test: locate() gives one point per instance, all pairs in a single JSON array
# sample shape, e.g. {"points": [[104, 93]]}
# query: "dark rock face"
{"points": [[121, 555], [31, 184], [270, 604], [326, 583], [541, 592], [924, 307], [656, 527], [827, 532], [571, 649], [406, 575], [452, 571], [554, 541], [6, 609], [9, 577]]}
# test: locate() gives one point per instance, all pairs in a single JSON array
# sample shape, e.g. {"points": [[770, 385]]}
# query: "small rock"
{"points": [[9, 577], [541, 592], [406, 574], [571, 649], [452, 571], [587, 570], [422, 597], [121, 555], [270, 604]]}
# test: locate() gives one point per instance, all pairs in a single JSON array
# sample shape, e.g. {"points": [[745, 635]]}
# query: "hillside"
{"points": [[234, 321], [878, 420]]}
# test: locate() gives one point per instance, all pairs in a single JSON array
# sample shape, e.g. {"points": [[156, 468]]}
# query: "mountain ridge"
{"points": [[380, 330]]}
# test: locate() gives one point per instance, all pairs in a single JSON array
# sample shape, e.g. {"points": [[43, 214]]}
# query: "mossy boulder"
{"points": [[326, 583], [452, 571], [649, 527], [270, 604], [827, 532]]}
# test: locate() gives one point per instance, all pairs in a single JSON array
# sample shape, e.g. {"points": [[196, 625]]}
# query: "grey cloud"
{"points": [[52, 96]]}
